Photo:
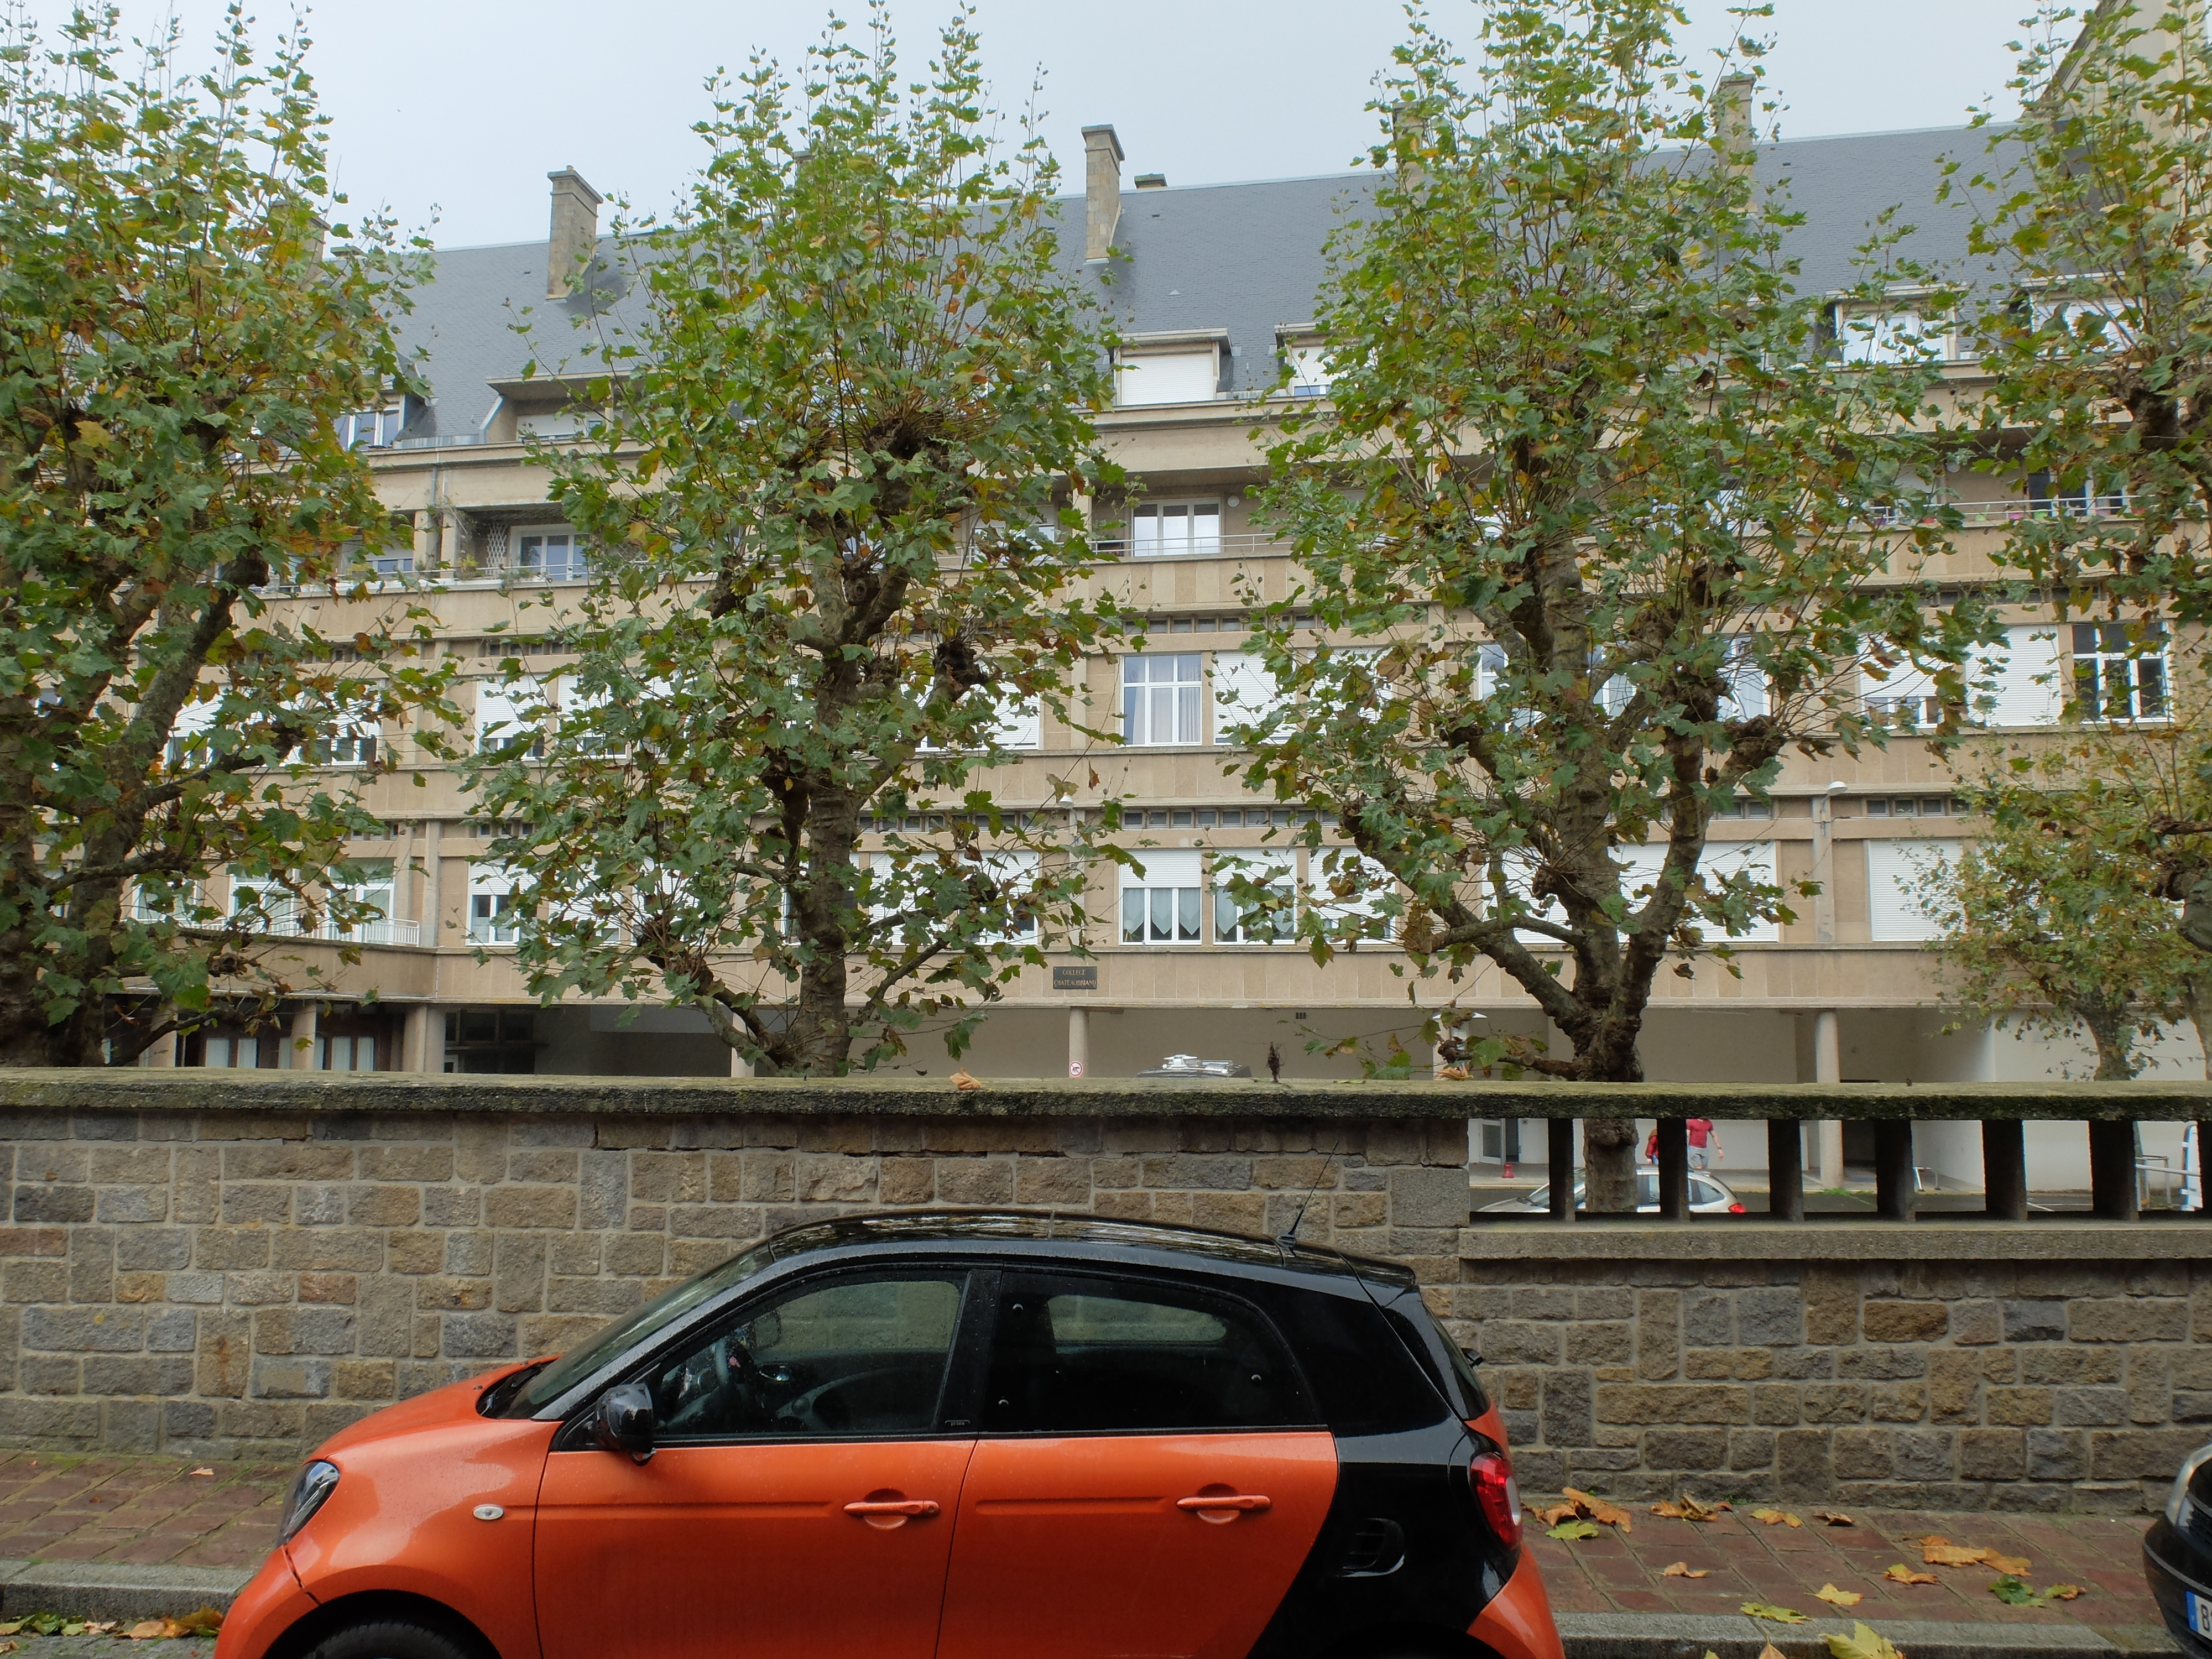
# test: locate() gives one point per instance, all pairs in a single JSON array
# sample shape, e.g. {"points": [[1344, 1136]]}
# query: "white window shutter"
{"points": [[1168, 377], [1244, 692], [2024, 686], [1164, 866], [1894, 870], [1019, 725]]}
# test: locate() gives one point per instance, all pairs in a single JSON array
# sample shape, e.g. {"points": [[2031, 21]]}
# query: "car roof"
{"points": [[1080, 1237]]}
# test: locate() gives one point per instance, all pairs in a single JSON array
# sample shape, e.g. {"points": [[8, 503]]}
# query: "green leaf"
{"points": [[2015, 1592], [1571, 1531]]}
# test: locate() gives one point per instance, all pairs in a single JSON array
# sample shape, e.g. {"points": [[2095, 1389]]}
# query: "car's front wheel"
{"points": [[390, 1638]]}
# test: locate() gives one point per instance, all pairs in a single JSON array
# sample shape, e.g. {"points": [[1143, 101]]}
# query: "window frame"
{"points": [[579, 566], [1189, 697], [1189, 510], [2131, 658], [960, 1392], [1112, 1276]]}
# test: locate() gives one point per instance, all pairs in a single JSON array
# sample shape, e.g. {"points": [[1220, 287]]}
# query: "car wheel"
{"points": [[390, 1638]]}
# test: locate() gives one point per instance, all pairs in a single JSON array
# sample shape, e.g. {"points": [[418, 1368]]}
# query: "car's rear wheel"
{"points": [[390, 1638]]}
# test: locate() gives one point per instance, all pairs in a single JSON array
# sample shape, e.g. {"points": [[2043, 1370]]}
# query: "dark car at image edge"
{"points": [[973, 1435], [2178, 1556]]}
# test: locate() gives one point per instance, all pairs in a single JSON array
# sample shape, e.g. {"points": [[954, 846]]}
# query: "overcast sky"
{"points": [[455, 109]]}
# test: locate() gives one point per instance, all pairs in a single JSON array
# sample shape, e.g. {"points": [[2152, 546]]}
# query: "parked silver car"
{"points": [[1190, 1066], [1708, 1195]]}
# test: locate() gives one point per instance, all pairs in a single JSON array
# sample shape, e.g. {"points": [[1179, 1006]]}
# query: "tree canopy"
{"points": [[1595, 522], [829, 478], [177, 350]]}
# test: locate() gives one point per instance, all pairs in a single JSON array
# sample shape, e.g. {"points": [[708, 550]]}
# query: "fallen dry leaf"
{"points": [[209, 1473], [1686, 1508], [1597, 1509], [1776, 1517], [965, 1083], [202, 1618], [1683, 1570], [1863, 1642], [150, 1629], [1551, 1514], [1773, 1614], [1841, 1598], [2064, 1592], [1834, 1517], [1938, 1551], [1453, 1074], [1770, 1651], [11, 1627], [1901, 1574], [2013, 1564]]}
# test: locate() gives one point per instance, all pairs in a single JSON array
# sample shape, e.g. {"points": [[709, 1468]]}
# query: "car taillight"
{"points": [[1497, 1495], [1735, 1209]]}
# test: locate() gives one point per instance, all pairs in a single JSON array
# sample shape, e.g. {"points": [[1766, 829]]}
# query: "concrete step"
{"points": [[1691, 1636], [104, 1590]]}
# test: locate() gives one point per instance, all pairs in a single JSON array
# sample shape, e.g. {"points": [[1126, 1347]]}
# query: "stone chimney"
{"points": [[576, 232], [1102, 191], [1732, 112]]}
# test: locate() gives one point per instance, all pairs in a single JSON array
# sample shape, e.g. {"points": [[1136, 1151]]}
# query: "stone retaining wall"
{"points": [[216, 1264], [216, 1283], [2067, 1367]]}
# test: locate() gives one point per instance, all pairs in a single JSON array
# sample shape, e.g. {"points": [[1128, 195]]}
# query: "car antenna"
{"points": [[1288, 1240]]}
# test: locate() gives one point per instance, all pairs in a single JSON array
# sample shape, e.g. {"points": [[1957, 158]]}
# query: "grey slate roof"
{"points": [[1243, 257]]}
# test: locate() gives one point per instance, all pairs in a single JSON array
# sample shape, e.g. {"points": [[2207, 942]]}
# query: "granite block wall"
{"points": [[214, 1283], [1952, 1384]]}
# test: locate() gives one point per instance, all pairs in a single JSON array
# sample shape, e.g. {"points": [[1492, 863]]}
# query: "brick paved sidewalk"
{"points": [[1786, 1566], [145, 1512]]}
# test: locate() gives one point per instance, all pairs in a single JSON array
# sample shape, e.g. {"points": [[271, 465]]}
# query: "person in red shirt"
{"points": [[1705, 1146]]}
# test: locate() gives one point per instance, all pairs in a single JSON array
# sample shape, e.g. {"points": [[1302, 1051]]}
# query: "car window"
{"points": [[858, 1358], [1071, 1356], [1703, 1192]]}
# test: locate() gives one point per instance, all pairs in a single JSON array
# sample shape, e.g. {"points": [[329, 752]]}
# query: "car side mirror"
{"points": [[623, 1421]]}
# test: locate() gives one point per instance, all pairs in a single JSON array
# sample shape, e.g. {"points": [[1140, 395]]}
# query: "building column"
{"points": [[421, 1048], [297, 1058], [740, 1065], [163, 1050], [1674, 1138], [1828, 1068], [1079, 1041], [433, 858], [2203, 1186]]}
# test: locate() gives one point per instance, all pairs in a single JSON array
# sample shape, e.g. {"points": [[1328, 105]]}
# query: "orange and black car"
{"points": [[901, 1436]]}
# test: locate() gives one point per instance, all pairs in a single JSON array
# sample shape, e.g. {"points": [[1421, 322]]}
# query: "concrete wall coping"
{"points": [[2182, 1238], [195, 1090]]}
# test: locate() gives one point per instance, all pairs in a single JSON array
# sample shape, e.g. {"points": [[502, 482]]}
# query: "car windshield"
{"points": [[632, 1330]]}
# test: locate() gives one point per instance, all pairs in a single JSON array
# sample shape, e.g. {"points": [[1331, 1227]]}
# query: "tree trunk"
{"points": [[2114, 1034], [1609, 1155]]}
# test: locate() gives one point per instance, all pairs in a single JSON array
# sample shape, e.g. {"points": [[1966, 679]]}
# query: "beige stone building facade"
{"points": [[1213, 286]]}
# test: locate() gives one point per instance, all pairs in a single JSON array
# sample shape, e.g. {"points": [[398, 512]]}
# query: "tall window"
{"points": [[373, 888], [553, 555], [1274, 868], [1160, 699], [2075, 498], [1161, 905], [349, 744], [1159, 529], [1901, 334], [492, 911], [2120, 670]]}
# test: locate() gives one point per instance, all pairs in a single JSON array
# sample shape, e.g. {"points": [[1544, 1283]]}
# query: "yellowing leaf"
{"points": [[1863, 1642], [1770, 1651], [2062, 1592], [1901, 1574], [2005, 1563], [1940, 1552], [1773, 1614], [1683, 1570], [1776, 1517], [1551, 1514], [1569, 1531], [1834, 1517], [1841, 1598]]}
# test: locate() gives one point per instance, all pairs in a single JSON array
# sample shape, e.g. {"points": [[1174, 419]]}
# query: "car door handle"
{"points": [[892, 1511], [1226, 1505]]}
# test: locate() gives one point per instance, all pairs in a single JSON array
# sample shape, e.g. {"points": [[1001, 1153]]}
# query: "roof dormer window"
{"points": [[1187, 366]]}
